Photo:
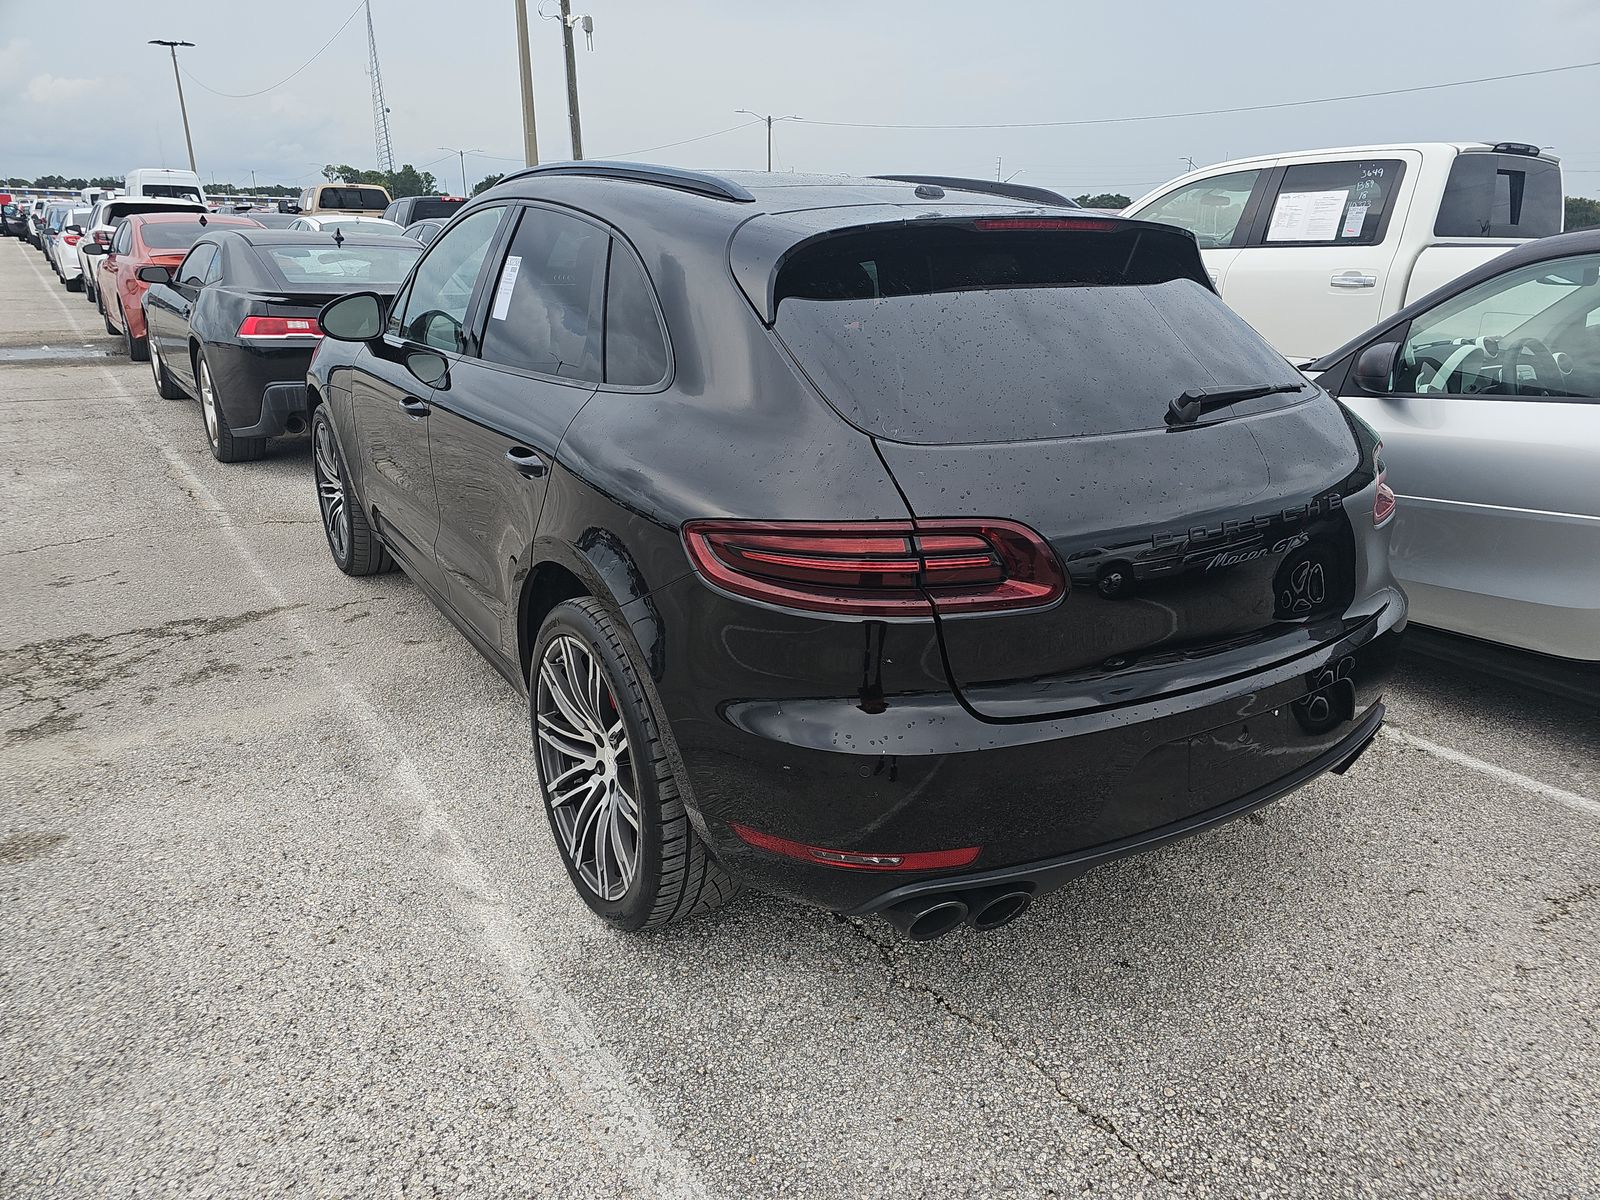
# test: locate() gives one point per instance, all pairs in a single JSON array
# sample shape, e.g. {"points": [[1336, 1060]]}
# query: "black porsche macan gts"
{"points": [[901, 548], [235, 323]]}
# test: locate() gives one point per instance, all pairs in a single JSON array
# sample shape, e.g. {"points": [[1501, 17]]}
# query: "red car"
{"points": [[143, 239]]}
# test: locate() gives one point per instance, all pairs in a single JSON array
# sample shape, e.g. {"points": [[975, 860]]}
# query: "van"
{"points": [[158, 182], [344, 198]]}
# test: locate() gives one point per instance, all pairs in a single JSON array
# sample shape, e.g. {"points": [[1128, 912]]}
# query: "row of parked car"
{"points": [[908, 546]]}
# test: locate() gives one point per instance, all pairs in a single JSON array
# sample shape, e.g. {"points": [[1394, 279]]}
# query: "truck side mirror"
{"points": [[1375, 366]]}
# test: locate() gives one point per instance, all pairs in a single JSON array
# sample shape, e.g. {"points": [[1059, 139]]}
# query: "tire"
{"points": [[673, 875], [355, 548], [224, 446], [138, 348], [166, 387]]}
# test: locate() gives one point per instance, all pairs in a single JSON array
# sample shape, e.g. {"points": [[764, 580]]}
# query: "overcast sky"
{"points": [[661, 72]]}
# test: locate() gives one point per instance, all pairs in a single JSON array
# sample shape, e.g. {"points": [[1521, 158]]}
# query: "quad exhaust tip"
{"points": [[924, 918]]}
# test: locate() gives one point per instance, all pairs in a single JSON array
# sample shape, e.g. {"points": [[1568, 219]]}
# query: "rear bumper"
{"points": [[283, 410], [1048, 874], [901, 772], [263, 388]]}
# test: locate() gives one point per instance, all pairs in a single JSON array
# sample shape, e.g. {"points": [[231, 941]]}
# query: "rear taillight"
{"points": [[923, 860], [70, 239], [1383, 503], [103, 237], [280, 327], [879, 568], [1080, 224]]}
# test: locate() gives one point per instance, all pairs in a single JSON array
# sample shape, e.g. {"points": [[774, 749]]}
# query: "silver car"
{"points": [[1486, 394]]}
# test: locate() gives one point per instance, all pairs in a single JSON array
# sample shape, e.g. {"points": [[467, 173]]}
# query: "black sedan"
{"points": [[235, 324], [899, 547]]}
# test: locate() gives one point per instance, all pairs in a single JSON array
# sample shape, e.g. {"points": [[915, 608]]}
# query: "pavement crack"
{"points": [[43, 678], [1006, 1045], [98, 537], [1563, 905]]}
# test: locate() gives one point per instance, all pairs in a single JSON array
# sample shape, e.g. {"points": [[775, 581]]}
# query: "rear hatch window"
{"points": [[347, 265], [354, 198], [422, 210], [1501, 196], [1012, 329]]}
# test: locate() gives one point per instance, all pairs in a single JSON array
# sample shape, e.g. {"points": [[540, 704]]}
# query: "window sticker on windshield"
{"points": [[1307, 216], [1354, 220], [508, 280]]}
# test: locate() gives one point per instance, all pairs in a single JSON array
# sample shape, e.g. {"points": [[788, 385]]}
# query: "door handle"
{"points": [[1353, 279], [414, 406], [527, 462]]}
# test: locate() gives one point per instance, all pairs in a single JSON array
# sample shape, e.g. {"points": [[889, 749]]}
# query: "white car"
{"points": [[1313, 247], [348, 222], [103, 222], [64, 248]]}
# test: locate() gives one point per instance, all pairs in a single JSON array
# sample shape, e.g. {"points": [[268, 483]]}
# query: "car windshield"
{"points": [[323, 263], [940, 334]]}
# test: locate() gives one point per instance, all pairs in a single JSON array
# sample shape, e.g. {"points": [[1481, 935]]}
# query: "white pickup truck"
{"points": [[1313, 247]]}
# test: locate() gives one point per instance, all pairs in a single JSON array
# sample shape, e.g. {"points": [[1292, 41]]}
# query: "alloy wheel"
{"points": [[330, 490], [208, 402], [586, 767]]}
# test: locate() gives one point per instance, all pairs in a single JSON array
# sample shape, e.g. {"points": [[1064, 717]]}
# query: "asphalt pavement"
{"points": [[282, 916]]}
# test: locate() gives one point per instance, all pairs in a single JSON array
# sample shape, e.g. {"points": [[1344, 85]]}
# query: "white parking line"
{"points": [[1571, 799], [619, 1123]]}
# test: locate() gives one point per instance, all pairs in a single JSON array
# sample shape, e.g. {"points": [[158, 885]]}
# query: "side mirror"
{"points": [[357, 317], [155, 274], [1375, 366], [431, 369], [92, 248], [77, 229]]}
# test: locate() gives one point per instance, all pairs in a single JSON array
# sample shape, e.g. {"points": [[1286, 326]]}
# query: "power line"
{"points": [[1215, 112], [291, 74], [686, 141]]}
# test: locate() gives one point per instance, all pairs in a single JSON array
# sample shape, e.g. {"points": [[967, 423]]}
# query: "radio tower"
{"points": [[380, 111]]}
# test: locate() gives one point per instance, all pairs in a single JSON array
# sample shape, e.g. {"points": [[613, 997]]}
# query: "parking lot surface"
{"points": [[282, 914]]}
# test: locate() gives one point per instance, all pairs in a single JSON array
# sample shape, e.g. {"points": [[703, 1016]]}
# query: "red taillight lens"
{"points": [[1080, 224], [280, 327], [70, 239], [103, 237], [927, 860], [879, 568], [1383, 505]]}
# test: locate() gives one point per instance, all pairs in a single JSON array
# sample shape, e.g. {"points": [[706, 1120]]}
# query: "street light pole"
{"points": [[462, 154], [769, 119], [572, 80], [530, 130], [182, 107]]}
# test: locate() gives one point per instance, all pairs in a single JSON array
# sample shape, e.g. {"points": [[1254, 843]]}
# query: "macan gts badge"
{"points": [[904, 548]]}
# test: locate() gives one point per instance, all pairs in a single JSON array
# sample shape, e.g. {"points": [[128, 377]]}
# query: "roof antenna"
{"points": [[203, 220], [338, 236]]}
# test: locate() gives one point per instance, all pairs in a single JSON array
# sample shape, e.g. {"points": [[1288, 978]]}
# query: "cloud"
{"points": [[50, 90]]}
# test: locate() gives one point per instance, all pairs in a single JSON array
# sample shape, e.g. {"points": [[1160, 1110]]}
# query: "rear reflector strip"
{"points": [[1079, 224], [928, 860]]}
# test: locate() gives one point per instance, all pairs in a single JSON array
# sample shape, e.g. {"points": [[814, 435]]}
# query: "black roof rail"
{"points": [[698, 182], [993, 187]]}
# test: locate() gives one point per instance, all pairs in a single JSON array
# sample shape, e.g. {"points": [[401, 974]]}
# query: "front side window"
{"points": [[1333, 203], [1529, 332], [435, 308], [196, 263], [545, 312], [1210, 208]]}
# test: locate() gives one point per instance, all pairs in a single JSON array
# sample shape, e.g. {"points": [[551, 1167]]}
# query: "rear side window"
{"points": [[1333, 203], [170, 235], [544, 310], [635, 346], [1500, 195], [938, 334]]}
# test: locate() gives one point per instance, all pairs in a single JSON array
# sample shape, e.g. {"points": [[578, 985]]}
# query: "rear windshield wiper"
{"points": [[1187, 408]]}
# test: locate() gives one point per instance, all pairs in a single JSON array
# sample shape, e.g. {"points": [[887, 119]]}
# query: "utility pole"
{"points": [[769, 119], [182, 107], [572, 80], [462, 154], [530, 130], [1188, 158]]}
